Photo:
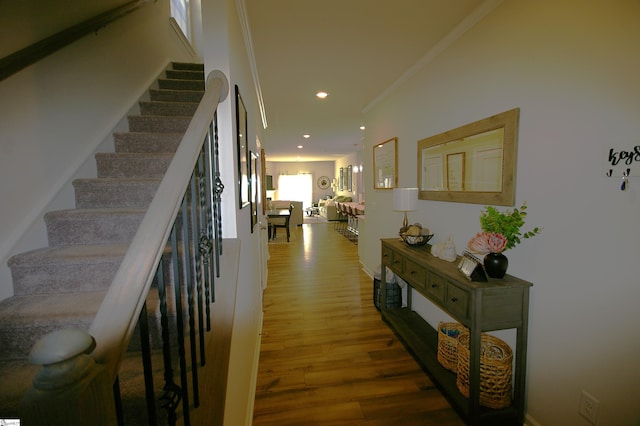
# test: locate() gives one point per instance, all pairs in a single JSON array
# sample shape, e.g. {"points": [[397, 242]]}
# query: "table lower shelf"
{"points": [[422, 341]]}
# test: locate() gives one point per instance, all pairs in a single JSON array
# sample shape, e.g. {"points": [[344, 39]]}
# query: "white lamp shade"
{"points": [[405, 199]]}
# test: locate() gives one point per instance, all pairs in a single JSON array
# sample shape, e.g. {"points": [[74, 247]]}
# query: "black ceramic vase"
{"points": [[495, 265]]}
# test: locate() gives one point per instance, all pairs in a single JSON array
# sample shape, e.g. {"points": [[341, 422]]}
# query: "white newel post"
{"points": [[71, 389]]}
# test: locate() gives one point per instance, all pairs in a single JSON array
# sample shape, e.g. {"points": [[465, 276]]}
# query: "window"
{"points": [[296, 188]]}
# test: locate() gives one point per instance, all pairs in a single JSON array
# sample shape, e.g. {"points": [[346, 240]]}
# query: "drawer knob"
{"points": [[434, 285], [454, 299]]}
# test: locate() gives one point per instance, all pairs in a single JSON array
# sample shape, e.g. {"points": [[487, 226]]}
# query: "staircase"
{"points": [[63, 284]]}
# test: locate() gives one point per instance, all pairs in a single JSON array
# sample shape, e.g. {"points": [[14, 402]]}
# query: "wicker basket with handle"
{"points": [[448, 333], [495, 370]]}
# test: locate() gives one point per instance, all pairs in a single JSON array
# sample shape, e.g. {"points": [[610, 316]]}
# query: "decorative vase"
{"points": [[495, 264]]}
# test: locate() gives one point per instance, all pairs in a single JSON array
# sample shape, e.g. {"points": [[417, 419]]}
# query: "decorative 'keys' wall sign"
{"points": [[623, 163]]}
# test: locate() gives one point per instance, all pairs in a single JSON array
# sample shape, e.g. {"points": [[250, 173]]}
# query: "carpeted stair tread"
{"points": [[178, 84], [158, 123], [25, 319], [65, 269], [172, 95], [187, 66], [185, 74], [132, 165], [147, 142], [168, 108], [92, 226], [115, 192]]}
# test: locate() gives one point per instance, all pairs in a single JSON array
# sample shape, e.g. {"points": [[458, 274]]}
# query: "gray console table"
{"points": [[480, 306]]}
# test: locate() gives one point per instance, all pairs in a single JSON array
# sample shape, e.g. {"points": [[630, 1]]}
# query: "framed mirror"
{"points": [[474, 163], [349, 178], [385, 164], [243, 151], [341, 183]]}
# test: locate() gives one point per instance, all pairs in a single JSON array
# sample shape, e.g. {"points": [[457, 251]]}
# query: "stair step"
{"points": [[185, 74], [158, 123], [114, 192], [168, 95], [147, 142], [25, 319], [66, 269], [164, 108], [170, 83], [92, 226], [132, 165], [187, 66]]}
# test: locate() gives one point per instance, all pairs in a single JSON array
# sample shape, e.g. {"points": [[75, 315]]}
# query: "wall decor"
{"points": [[263, 181], [254, 185], [474, 163], [341, 184], [243, 151], [349, 178], [385, 164], [323, 182]]}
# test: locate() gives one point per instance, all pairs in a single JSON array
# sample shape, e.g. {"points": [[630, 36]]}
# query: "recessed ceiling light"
{"points": [[306, 136], [361, 127], [322, 95], [299, 146]]}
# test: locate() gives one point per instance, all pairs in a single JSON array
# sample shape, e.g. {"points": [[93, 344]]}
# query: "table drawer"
{"points": [[392, 259], [436, 288], [415, 274], [457, 301]]}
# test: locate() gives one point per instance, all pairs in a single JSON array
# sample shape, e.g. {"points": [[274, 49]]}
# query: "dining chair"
{"points": [[280, 222]]}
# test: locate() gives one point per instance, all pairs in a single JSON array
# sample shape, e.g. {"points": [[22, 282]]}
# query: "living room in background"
{"points": [[296, 188]]}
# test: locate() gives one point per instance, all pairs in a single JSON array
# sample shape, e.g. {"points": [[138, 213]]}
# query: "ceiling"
{"points": [[352, 49]]}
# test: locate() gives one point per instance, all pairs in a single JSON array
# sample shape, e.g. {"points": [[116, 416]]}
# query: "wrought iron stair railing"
{"points": [[177, 250]]}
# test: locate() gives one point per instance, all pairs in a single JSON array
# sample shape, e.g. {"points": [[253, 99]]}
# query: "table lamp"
{"points": [[405, 200]]}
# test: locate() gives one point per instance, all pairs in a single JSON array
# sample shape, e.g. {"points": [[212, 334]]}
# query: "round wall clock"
{"points": [[323, 182]]}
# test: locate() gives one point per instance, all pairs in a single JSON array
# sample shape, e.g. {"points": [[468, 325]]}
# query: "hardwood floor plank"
{"points": [[326, 356]]}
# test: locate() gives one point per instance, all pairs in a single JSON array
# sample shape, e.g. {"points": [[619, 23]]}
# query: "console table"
{"points": [[480, 306]]}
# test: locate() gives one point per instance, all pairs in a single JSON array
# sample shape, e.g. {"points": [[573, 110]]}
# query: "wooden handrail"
{"points": [[21, 59]]}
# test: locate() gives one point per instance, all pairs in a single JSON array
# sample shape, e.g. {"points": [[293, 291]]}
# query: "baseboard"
{"points": [[254, 376], [530, 421]]}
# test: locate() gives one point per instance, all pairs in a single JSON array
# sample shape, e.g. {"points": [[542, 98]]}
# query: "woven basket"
{"points": [[495, 370], [448, 333]]}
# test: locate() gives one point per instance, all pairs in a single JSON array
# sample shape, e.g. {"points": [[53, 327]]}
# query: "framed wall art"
{"points": [[243, 151]]}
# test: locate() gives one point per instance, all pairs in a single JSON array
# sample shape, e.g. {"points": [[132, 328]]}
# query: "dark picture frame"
{"points": [[243, 151]]}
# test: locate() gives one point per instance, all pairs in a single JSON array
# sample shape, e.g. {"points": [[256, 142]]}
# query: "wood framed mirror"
{"points": [[385, 164], [474, 163]]}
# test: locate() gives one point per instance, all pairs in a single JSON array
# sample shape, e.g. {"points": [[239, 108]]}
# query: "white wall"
{"points": [[225, 50], [572, 69], [55, 113]]}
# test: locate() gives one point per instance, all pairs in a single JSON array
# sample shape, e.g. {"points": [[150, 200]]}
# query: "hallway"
{"points": [[326, 356]]}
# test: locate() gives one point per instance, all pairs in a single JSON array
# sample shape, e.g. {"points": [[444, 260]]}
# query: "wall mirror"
{"points": [[341, 184], [349, 178], [474, 163], [385, 164]]}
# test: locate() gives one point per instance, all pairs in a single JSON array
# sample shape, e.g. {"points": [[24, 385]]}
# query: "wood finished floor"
{"points": [[326, 356]]}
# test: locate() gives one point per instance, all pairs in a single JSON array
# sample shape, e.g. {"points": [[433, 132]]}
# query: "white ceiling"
{"points": [[352, 49]]}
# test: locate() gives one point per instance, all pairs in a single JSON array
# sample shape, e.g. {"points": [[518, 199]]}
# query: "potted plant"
{"points": [[501, 231]]}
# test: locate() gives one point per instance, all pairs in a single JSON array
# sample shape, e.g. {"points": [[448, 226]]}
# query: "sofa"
{"points": [[296, 213], [328, 209]]}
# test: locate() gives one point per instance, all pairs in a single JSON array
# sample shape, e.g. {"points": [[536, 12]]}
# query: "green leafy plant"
{"points": [[507, 223]]}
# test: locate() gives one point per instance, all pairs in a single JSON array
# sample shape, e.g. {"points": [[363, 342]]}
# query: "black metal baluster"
{"points": [[191, 254], [178, 274], [210, 216], [218, 188], [201, 263], [143, 321], [172, 392]]}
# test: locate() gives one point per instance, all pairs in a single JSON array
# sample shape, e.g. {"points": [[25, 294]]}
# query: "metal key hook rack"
{"points": [[624, 186]]}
